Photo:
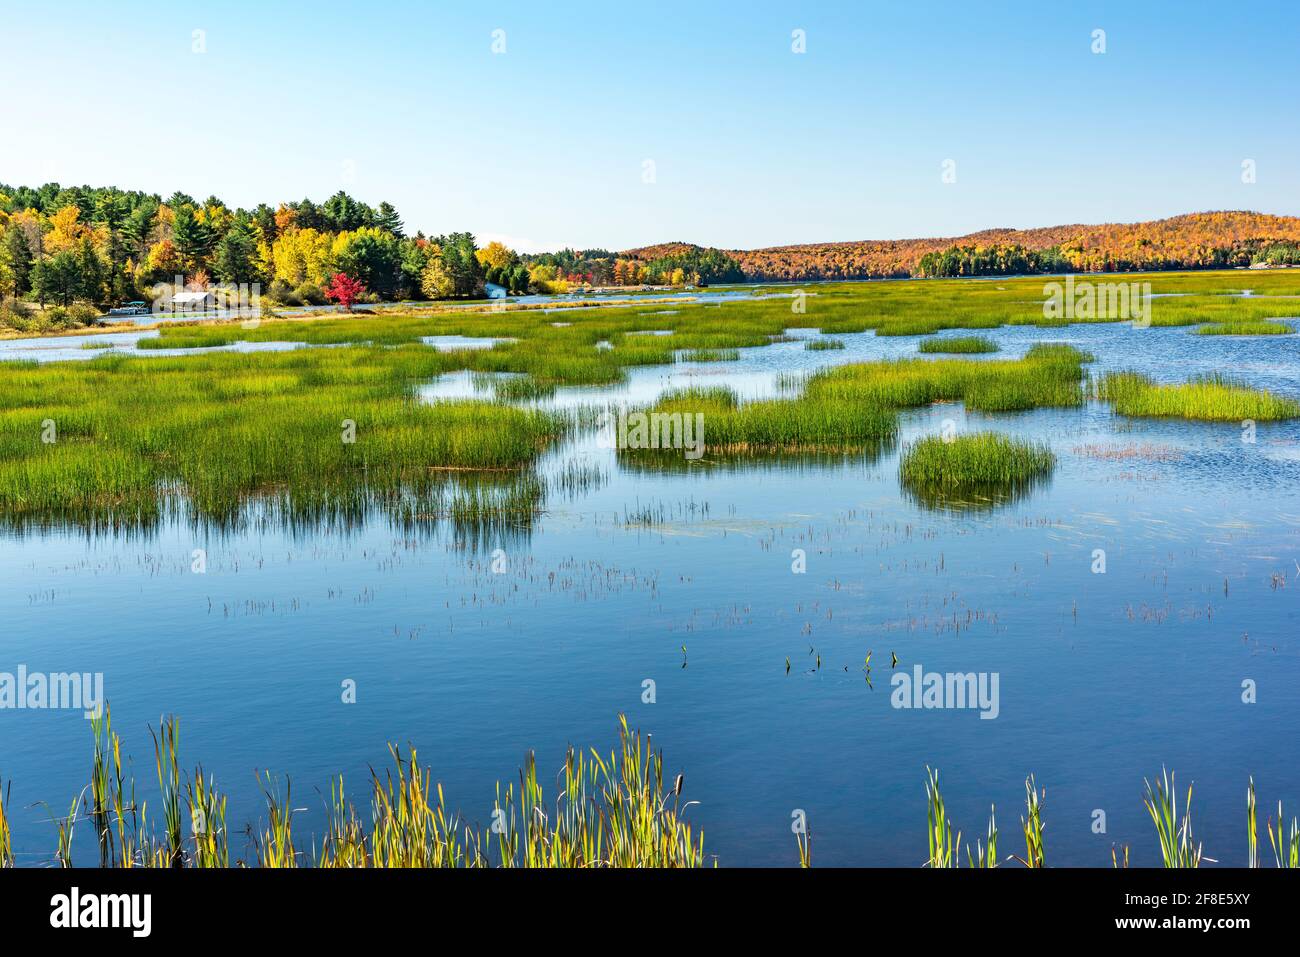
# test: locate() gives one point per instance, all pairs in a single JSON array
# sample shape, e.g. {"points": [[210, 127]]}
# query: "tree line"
{"points": [[89, 247], [63, 245]]}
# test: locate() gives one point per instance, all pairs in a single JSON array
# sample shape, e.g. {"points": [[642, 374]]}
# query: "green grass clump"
{"points": [[977, 470], [972, 460], [1244, 327], [710, 355], [1047, 376], [823, 345], [854, 407], [732, 427], [186, 337], [1211, 399], [957, 344], [521, 389]]}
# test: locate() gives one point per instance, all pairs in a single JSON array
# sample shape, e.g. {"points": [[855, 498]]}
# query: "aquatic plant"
{"points": [[1049, 375], [984, 468], [1212, 398], [1244, 327], [732, 426], [116, 438], [1032, 826], [957, 344], [6, 836], [1177, 846], [985, 854], [945, 845], [710, 355]]}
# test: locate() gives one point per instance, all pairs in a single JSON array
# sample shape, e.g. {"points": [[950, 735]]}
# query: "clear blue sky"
{"points": [[753, 145]]}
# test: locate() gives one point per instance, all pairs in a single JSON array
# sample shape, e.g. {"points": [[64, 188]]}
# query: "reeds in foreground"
{"points": [[6, 838], [945, 846], [1032, 825], [611, 810], [1177, 846]]}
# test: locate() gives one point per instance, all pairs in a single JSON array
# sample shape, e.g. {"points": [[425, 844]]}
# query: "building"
{"points": [[194, 301]]}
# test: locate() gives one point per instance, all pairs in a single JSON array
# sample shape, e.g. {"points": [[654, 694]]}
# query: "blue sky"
{"points": [[753, 145]]}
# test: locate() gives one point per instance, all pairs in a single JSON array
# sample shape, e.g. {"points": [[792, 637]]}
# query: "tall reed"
{"points": [[1177, 846], [6, 836], [945, 845]]}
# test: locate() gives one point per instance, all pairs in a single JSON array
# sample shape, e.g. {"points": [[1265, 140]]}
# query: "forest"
{"points": [[1210, 240], [78, 249], [66, 253]]}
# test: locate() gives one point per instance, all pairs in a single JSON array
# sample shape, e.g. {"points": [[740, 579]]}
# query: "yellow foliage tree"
{"points": [[65, 230], [495, 255]]}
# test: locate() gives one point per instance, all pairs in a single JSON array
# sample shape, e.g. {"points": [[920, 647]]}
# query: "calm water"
{"points": [[1103, 677]]}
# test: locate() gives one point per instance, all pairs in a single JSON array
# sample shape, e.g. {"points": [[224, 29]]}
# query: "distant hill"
{"points": [[1190, 241]]}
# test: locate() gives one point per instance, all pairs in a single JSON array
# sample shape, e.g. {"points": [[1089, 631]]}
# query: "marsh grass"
{"points": [[1032, 826], [522, 388], [853, 408], [210, 434], [6, 835], [1049, 375], [972, 471], [615, 809], [985, 854], [1177, 846], [1211, 398], [957, 344], [944, 839], [732, 427], [823, 345], [1244, 327], [710, 355], [113, 439], [1286, 846]]}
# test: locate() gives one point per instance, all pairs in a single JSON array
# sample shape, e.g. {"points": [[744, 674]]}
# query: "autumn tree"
{"points": [[437, 282], [344, 290]]}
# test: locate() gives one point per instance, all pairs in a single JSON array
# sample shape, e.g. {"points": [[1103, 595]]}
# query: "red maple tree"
{"points": [[344, 290]]}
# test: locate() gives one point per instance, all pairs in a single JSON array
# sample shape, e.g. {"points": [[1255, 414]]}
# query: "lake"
{"points": [[1103, 678]]}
